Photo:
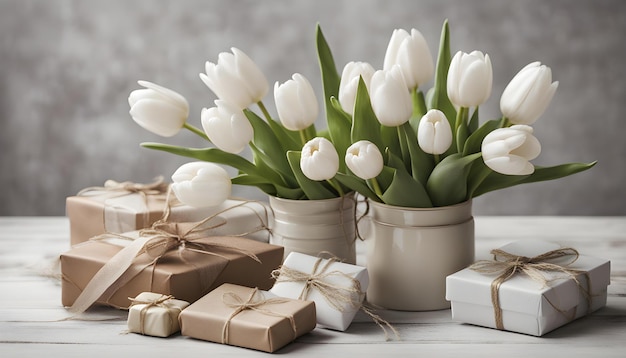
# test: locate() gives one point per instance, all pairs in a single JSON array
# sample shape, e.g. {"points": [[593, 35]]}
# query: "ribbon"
{"points": [[156, 242], [158, 186], [507, 265], [339, 297], [157, 302], [233, 300]]}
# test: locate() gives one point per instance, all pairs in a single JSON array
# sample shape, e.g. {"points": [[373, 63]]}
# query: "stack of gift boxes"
{"points": [[211, 274]]}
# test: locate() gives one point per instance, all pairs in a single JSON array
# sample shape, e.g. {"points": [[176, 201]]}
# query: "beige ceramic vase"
{"points": [[411, 251], [314, 226]]}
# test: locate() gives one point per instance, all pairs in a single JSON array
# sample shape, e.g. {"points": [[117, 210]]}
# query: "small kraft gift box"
{"points": [[176, 259], [530, 287], [338, 289], [247, 317], [155, 314], [122, 207]]}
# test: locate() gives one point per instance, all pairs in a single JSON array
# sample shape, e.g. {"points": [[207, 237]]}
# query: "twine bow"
{"points": [[507, 265], [149, 303], [158, 186], [337, 296], [157, 241], [254, 303]]}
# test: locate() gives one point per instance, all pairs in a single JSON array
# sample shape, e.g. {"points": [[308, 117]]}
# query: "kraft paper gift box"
{"points": [[155, 314], [117, 211], [529, 306], [185, 272], [246, 317], [335, 278]]}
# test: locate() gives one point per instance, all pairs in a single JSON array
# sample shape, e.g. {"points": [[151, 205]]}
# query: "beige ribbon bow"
{"points": [[157, 241], [158, 186], [157, 302], [233, 300], [507, 265]]}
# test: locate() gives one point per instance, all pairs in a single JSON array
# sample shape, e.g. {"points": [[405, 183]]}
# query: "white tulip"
{"points": [[364, 159], [319, 160], [528, 94], [509, 150], [236, 79], [434, 134], [411, 53], [391, 100], [296, 103], [470, 79], [349, 84], [158, 109], [227, 126], [201, 184]]}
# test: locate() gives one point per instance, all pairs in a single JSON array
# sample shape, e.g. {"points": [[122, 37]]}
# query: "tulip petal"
{"points": [[158, 117]]}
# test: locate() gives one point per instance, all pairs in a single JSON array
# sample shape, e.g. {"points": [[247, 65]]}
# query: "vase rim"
{"points": [[349, 195], [409, 208]]}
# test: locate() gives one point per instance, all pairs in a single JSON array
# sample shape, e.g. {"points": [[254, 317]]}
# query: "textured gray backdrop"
{"points": [[67, 67]]}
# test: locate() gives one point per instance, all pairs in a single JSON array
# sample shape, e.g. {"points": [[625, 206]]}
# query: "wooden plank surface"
{"points": [[31, 315]]}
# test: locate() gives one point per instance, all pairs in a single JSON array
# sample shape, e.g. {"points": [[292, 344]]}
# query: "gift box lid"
{"points": [[524, 295]]}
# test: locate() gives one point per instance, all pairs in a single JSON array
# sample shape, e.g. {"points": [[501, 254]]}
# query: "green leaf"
{"points": [[268, 188], [439, 99], [404, 190], [263, 165], [314, 190], [339, 127], [336, 119], [496, 181], [357, 184], [421, 163], [419, 109], [212, 155], [265, 141], [365, 125], [390, 139], [447, 184], [475, 140], [473, 124]]}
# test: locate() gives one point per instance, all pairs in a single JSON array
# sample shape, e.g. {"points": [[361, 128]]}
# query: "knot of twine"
{"points": [[157, 302], [507, 265], [255, 303], [158, 186], [339, 297]]}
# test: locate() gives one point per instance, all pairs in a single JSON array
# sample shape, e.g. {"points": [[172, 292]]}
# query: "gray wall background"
{"points": [[67, 67]]}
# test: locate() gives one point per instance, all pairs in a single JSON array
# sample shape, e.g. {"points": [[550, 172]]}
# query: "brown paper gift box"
{"points": [[187, 276], [105, 211], [205, 319]]}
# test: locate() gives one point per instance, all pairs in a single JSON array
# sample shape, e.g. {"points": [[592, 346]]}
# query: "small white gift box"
{"points": [[528, 305], [154, 314], [337, 288]]}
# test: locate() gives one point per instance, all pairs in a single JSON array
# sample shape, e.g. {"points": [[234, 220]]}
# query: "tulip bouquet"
{"points": [[400, 146]]}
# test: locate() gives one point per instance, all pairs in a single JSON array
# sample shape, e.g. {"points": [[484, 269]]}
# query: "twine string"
{"points": [[337, 296], [157, 302], [252, 302], [507, 265]]}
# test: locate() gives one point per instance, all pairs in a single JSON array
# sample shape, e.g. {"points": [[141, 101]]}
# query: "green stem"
{"points": [[303, 137], [404, 148], [461, 117], [419, 103], [336, 186], [505, 122], [264, 110], [437, 159], [376, 186], [196, 130]]}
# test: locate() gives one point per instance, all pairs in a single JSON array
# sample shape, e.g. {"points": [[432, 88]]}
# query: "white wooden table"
{"points": [[30, 306]]}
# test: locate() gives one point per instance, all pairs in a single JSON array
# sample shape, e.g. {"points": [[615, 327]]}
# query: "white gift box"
{"points": [[327, 315], [155, 318], [529, 306]]}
